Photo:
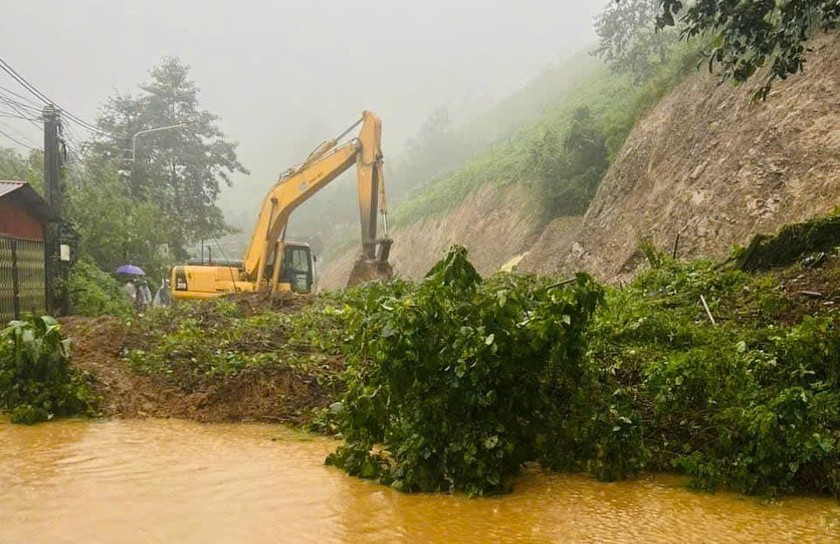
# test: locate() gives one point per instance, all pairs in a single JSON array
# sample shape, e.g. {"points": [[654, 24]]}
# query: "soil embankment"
{"points": [[274, 392]]}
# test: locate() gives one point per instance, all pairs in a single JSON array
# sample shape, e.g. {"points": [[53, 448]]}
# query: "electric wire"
{"points": [[17, 133], [70, 138], [17, 104], [17, 107], [15, 140], [19, 96], [38, 94], [15, 115]]}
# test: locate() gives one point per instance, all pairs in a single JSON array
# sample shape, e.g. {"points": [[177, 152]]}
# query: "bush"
{"points": [[36, 380], [456, 381], [790, 244], [746, 404], [569, 171], [454, 376], [94, 292]]}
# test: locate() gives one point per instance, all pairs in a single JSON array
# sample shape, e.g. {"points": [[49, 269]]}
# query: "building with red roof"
{"points": [[23, 219]]}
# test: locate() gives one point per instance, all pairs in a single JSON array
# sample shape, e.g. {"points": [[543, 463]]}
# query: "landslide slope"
{"points": [[494, 223], [715, 167]]}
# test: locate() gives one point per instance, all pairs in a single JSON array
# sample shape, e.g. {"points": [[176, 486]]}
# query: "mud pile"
{"points": [[273, 391]]}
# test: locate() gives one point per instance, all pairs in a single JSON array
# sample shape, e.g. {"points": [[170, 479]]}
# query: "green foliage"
{"points": [[30, 169], [114, 227], [453, 376], [535, 154], [746, 36], [176, 172], [456, 381], [94, 292], [629, 41], [194, 341], [790, 244], [36, 380], [569, 172], [746, 404]]}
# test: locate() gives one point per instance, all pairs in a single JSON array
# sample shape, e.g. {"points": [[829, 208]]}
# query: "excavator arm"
{"points": [[296, 186]]}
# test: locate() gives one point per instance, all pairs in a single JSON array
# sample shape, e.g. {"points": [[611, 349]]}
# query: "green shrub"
{"points": [[790, 244], [94, 292], [36, 380], [745, 404], [454, 375], [456, 381]]}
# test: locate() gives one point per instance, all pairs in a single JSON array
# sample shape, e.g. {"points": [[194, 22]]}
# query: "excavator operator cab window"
{"points": [[297, 268]]}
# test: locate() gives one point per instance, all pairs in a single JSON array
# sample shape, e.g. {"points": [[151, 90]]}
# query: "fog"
{"points": [[285, 75]]}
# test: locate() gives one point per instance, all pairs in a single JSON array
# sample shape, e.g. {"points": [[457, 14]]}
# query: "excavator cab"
{"points": [[297, 269]]}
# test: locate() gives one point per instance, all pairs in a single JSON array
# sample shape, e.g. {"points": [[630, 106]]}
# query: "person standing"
{"points": [[162, 297], [145, 296], [131, 290]]}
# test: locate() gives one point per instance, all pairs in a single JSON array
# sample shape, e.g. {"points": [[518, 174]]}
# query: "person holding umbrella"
{"points": [[130, 287]]}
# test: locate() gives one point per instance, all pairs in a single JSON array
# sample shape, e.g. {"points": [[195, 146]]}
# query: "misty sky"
{"points": [[285, 75]]}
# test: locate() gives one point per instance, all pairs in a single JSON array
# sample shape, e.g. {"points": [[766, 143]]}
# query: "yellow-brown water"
{"points": [[174, 481]]}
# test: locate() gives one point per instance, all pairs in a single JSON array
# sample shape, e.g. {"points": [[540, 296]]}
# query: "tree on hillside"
{"points": [[629, 40], [179, 171], [570, 168], [746, 36]]}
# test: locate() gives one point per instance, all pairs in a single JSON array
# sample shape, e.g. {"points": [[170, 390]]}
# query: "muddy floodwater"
{"points": [[175, 481]]}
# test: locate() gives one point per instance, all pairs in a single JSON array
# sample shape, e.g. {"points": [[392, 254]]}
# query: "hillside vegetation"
{"points": [[610, 105]]}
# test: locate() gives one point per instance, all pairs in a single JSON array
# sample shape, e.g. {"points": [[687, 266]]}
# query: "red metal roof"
{"points": [[28, 195]]}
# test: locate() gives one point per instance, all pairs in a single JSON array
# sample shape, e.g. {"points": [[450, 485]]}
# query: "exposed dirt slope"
{"points": [[494, 223], [711, 164]]}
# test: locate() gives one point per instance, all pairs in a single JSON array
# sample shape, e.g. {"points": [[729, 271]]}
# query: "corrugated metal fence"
{"points": [[21, 278]]}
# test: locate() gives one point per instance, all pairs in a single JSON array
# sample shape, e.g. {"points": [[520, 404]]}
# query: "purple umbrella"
{"points": [[130, 270]]}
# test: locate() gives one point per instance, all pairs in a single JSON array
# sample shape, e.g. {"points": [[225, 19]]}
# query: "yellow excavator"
{"points": [[272, 264]]}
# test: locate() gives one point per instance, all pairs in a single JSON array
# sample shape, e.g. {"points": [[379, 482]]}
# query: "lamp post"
{"points": [[147, 131]]}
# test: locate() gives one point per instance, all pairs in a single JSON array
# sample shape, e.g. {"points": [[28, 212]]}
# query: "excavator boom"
{"points": [[268, 253]]}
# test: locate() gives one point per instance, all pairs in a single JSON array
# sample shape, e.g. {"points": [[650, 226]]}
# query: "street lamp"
{"points": [[147, 131]]}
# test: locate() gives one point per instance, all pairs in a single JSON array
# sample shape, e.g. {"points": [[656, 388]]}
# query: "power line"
{"points": [[15, 115], [17, 108], [18, 96], [34, 90], [18, 133], [26, 85], [69, 137], [15, 140], [17, 103]]}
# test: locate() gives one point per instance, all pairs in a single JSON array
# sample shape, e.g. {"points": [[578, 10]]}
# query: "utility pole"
{"points": [[53, 269], [52, 192]]}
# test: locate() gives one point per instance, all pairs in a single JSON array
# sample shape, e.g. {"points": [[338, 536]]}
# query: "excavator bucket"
{"points": [[378, 269]]}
